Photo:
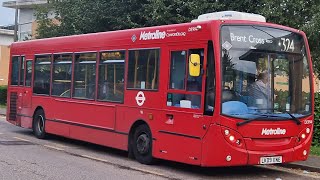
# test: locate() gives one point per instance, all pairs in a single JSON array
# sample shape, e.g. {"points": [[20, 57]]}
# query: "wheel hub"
{"points": [[143, 144], [40, 123]]}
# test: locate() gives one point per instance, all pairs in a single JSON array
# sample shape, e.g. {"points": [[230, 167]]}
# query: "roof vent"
{"points": [[230, 15]]}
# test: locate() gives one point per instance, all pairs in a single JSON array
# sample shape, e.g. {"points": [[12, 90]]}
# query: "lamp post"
{"points": [[16, 23]]}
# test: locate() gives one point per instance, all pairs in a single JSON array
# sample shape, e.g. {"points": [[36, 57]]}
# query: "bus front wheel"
{"points": [[39, 124], [142, 144]]}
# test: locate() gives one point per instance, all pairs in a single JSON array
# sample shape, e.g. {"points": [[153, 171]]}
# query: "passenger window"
{"points": [[42, 72], [21, 83], [61, 76], [181, 80], [15, 70], [29, 73], [143, 69], [84, 85], [111, 76]]}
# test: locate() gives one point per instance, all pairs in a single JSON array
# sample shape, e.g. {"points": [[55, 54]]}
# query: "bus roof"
{"points": [[175, 33]]}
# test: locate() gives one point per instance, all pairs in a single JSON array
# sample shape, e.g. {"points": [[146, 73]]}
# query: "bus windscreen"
{"points": [[264, 71]]}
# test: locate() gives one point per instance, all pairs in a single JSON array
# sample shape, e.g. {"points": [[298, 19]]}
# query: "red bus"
{"points": [[226, 89]]}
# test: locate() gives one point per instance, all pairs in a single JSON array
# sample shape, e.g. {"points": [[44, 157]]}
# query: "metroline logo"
{"points": [[152, 35], [271, 131]]}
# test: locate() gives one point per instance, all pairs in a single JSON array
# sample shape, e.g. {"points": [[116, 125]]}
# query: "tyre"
{"points": [[142, 144], [39, 124]]}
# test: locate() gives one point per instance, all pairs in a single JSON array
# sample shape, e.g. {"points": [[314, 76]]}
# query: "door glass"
{"points": [[177, 69], [29, 73], [15, 71], [189, 87], [195, 83], [210, 81], [22, 71]]}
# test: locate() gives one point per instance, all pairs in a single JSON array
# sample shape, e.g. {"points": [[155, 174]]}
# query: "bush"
{"points": [[316, 132], [3, 95]]}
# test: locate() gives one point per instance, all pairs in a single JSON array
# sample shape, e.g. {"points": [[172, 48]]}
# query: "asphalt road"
{"points": [[22, 156]]}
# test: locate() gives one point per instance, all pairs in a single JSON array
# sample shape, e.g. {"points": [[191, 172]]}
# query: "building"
{"points": [[27, 24], [6, 38]]}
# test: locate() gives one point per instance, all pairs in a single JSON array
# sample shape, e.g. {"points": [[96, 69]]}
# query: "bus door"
{"points": [[27, 91], [20, 91], [184, 121]]}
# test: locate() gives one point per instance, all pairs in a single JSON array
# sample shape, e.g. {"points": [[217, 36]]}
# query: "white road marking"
{"points": [[21, 139], [95, 158], [59, 145], [53, 147], [132, 168], [148, 171], [292, 171]]}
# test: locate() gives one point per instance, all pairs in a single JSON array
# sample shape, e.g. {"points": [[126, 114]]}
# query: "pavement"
{"points": [[3, 111], [312, 164]]}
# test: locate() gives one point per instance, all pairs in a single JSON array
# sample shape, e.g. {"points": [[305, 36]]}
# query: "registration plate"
{"points": [[271, 160]]}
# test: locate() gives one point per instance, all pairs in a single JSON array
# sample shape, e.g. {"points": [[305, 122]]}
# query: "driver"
{"points": [[260, 92]]}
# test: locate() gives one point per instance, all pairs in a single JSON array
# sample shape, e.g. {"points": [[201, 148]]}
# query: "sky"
{"points": [[6, 15]]}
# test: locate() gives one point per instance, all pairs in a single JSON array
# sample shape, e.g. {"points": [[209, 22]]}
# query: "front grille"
{"points": [[13, 106]]}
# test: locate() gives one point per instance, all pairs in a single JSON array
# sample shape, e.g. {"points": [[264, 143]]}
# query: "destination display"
{"points": [[113, 55], [263, 38]]}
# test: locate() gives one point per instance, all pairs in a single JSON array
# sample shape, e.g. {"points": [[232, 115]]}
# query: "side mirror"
{"points": [[194, 65]]}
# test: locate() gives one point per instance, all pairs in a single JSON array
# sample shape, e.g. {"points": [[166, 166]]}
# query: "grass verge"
{"points": [[315, 150]]}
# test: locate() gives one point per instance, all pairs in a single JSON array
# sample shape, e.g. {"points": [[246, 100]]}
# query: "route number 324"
{"points": [[286, 44]]}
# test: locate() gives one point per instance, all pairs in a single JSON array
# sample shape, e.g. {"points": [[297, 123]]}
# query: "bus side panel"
{"points": [[105, 138], [50, 108], [165, 146], [127, 116], [86, 113], [215, 150], [26, 122], [178, 148], [57, 128]]}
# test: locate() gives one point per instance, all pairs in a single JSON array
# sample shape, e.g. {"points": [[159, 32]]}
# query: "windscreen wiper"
{"points": [[262, 117], [293, 118]]}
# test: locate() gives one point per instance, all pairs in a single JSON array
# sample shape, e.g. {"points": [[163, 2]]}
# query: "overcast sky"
{"points": [[6, 15]]}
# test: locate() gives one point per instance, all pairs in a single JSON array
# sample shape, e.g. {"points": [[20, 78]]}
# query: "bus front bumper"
{"points": [[216, 151]]}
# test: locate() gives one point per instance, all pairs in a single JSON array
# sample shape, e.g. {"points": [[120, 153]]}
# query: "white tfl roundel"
{"points": [[140, 98]]}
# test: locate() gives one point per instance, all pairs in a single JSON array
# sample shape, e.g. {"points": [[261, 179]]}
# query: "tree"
{"points": [[85, 16]]}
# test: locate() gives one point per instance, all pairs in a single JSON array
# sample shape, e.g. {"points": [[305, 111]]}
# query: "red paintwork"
{"points": [[211, 146]]}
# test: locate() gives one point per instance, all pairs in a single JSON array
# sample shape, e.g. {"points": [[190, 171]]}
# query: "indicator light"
{"points": [[228, 158], [238, 141], [226, 132], [303, 136], [308, 130], [305, 152], [231, 138]]}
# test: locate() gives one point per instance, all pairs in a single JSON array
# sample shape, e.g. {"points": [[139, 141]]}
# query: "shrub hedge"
{"points": [[3, 95], [316, 132]]}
